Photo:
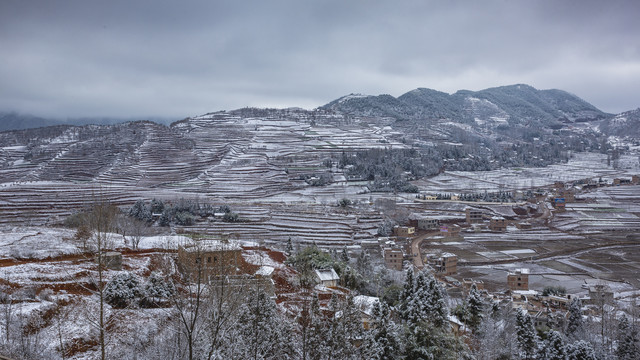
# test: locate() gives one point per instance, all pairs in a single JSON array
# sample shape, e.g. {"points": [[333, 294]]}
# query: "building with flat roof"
{"points": [[473, 215], [404, 231], [518, 280], [446, 264], [207, 257], [498, 223], [393, 258]]}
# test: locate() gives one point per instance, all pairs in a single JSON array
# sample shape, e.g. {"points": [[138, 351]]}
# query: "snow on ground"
{"points": [[582, 165], [36, 242], [169, 242], [261, 258]]}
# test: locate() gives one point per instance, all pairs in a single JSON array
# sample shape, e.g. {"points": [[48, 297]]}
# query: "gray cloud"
{"points": [[175, 59]]}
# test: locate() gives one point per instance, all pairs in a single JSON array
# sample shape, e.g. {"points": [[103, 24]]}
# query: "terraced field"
{"points": [[253, 162]]}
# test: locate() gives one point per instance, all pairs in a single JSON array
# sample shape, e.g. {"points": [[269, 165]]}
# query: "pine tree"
{"points": [[525, 335], [289, 249], [628, 346], [575, 326], [315, 342], [363, 264], [157, 206], [474, 306], [437, 309], [418, 304], [407, 293], [262, 332], [552, 348], [140, 211], [344, 255], [423, 299], [382, 341], [344, 329], [581, 350]]}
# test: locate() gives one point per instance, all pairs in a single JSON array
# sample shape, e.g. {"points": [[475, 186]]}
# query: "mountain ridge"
{"points": [[519, 103]]}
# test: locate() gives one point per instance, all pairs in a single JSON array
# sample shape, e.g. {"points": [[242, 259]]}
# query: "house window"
{"points": [[197, 260], [209, 259]]}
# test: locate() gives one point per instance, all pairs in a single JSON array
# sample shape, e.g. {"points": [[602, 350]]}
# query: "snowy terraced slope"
{"points": [[581, 166], [304, 225]]}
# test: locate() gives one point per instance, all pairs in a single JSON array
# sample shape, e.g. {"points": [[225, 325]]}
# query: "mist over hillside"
{"points": [[18, 121]]}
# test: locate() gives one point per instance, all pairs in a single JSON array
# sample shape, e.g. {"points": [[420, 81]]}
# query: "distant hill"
{"points": [[16, 121], [624, 124], [514, 104]]}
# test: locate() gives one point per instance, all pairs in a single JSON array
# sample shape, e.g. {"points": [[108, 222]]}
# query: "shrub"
{"points": [[230, 217], [122, 289]]}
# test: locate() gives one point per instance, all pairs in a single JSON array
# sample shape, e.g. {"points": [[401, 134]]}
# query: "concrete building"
{"points": [[498, 223], [473, 215], [426, 223], [600, 294], [450, 231], [404, 231], [446, 264], [393, 258], [518, 280], [209, 257]]}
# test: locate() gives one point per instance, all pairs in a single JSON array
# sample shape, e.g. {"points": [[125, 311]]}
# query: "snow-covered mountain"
{"points": [[623, 124], [514, 104]]}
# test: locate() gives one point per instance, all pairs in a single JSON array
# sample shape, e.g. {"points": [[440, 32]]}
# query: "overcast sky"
{"points": [[183, 58]]}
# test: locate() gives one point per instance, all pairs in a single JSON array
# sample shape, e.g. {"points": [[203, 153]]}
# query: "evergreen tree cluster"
{"points": [[125, 288], [183, 212]]}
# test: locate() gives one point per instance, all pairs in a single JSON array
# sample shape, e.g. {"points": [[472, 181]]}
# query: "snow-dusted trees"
{"points": [[408, 290], [140, 211], [101, 219], [581, 350], [157, 288], [627, 340], [344, 329], [382, 341], [425, 313], [122, 290], [260, 332], [474, 306], [309, 329], [575, 326], [424, 300], [132, 230], [552, 348], [494, 338], [525, 335], [333, 333]]}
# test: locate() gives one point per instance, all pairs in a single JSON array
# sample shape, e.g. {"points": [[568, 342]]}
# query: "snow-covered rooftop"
{"points": [[327, 275]]}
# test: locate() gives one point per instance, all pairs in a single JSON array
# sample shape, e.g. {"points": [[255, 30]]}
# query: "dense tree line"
{"points": [[391, 169], [182, 212]]}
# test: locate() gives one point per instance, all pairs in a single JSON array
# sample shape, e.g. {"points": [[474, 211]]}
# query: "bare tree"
{"points": [[132, 230], [100, 219], [6, 301]]}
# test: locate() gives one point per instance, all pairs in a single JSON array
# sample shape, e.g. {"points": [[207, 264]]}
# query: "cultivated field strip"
{"points": [[303, 227]]}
